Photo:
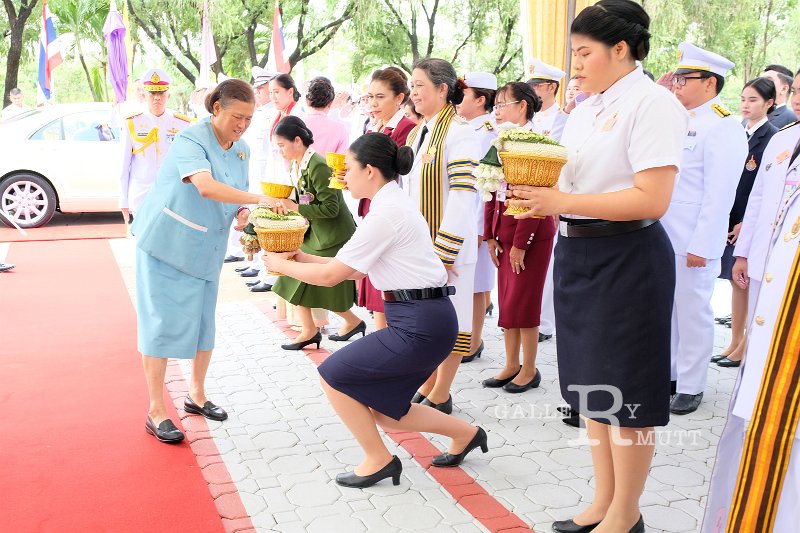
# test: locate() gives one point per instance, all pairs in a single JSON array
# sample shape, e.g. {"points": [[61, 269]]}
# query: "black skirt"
{"points": [[384, 369], [727, 262], [613, 304]]}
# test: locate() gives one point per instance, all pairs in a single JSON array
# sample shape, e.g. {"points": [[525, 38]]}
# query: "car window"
{"points": [[82, 126]]}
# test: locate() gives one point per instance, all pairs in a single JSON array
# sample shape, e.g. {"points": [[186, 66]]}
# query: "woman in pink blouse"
{"points": [[330, 135]]}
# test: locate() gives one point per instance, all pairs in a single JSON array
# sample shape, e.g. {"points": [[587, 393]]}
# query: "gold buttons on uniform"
{"points": [[768, 278], [760, 320]]}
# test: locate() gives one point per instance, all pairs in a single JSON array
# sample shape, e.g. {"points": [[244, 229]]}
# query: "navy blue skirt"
{"points": [[613, 301], [384, 369]]}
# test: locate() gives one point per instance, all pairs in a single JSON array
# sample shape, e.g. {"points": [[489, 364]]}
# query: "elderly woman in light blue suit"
{"points": [[181, 232]]}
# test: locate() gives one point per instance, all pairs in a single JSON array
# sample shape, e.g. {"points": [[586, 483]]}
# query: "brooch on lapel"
{"points": [[751, 165], [242, 156], [429, 156]]}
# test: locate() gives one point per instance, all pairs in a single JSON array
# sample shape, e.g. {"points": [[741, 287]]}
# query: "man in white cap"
{"points": [[545, 80], [714, 154], [148, 136], [476, 108]]}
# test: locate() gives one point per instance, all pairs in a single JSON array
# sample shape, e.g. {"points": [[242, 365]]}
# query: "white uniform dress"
{"points": [[485, 271], [147, 140], [778, 265], [449, 206], [714, 152]]}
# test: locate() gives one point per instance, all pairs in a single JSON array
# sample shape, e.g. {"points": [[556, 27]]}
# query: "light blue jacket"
{"points": [[178, 226]]}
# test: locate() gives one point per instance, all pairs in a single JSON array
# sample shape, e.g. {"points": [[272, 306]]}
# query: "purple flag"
{"points": [[114, 34]]}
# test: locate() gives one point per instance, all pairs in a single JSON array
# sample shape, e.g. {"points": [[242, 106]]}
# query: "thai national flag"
{"points": [[277, 50], [49, 52]]}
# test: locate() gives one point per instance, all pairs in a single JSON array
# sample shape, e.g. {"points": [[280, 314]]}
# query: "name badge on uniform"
{"points": [[781, 157], [501, 191], [610, 122], [429, 156], [306, 198]]}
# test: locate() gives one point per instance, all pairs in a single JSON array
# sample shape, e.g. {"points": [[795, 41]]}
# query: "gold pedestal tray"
{"points": [[280, 240], [532, 170]]}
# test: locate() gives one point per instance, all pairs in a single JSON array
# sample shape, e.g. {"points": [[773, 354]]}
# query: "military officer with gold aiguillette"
{"points": [[148, 136]]}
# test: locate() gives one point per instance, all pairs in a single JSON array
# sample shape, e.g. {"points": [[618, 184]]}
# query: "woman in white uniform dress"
{"points": [[612, 313], [442, 184]]}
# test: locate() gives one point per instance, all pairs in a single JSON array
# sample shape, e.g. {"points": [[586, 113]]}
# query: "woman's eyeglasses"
{"points": [[501, 106]]}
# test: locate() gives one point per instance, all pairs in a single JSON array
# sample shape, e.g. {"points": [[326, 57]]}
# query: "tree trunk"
{"points": [[16, 23], [86, 70]]}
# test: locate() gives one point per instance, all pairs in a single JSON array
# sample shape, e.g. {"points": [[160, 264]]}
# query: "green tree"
{"points": [[18, 13]]}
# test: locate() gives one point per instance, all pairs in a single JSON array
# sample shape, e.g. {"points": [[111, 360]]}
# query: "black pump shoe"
{"points": [[418, 398], [165, 432], [490, 309], [448, 459], [532, 384], [638, 527], [316, 339], [446, 407], [729, 363], [353, 480], [470, 357], [494, 383], [209, 410], [360, 328], [568, 526]]}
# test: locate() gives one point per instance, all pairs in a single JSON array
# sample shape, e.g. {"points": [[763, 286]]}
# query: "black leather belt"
{"points": [[404, 295], [590, 228]]}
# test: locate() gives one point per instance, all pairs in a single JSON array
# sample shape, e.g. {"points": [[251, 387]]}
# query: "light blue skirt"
{"points": [[175, 311]]}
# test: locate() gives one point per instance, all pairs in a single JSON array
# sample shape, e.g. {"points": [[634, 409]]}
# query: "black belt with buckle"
{"points": [[404, 295], [590, 228]]}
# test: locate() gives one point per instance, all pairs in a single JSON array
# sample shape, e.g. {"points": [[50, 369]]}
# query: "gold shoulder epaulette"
{"points": [[132, 115], [183, 117], [795, 123], [489, 126], [458, 119], [721, 111]]}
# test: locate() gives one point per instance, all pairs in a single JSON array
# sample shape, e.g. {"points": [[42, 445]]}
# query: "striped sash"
{"points": [[431, 175], [769, 439]]}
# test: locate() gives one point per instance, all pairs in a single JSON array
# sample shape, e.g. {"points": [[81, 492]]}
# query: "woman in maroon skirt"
{"points": [[520, 249], [387, 92]]}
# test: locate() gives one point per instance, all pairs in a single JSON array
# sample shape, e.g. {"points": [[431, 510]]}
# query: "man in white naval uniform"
{"points": [[545, 80], [714, 153], [755, 485], [148, 136]]}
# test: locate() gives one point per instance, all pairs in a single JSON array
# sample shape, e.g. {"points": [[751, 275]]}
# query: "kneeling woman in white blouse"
{"points": [[372, 380]]}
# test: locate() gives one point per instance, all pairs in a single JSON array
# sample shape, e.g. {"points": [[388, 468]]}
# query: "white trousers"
{"points": [[692, 324], [547, 320]]}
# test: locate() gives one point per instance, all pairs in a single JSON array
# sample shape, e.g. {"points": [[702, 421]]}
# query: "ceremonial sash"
{"points": [[430, 196], [143, 140], [771, 435]]}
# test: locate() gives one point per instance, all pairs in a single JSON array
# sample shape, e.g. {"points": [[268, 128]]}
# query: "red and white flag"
{"points": [[277, 51], [49, 53]]}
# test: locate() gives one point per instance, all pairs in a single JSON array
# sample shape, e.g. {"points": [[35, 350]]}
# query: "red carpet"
{"points": [[74, 456]]}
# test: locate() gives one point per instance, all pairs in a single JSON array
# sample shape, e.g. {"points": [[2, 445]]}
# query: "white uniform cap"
{"points": [[693, 59], [536, 70], [262, 76], [481, 80], [156, 80]]}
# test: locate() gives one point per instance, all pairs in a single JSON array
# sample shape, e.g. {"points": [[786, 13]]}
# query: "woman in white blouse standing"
{"points": [[372, 380], [614, 277]]}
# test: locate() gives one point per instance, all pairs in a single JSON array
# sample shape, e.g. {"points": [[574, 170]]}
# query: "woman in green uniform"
{"points": [[331, 225]]}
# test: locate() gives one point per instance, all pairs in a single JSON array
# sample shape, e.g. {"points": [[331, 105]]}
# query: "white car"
{"points": [[63, 157]]}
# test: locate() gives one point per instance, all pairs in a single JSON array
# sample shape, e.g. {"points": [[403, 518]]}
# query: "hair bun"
{"points": [[404, 160]]}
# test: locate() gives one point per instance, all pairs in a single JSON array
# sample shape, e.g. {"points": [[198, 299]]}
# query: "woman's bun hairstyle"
{"points": [[291, 127], [229, 91], [379, 151], [612, 21], [441, 72], [287, 82], [404, 160], [765, 87]]}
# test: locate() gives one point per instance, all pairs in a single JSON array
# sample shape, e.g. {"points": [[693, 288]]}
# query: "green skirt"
{"points": [[338, 298]]}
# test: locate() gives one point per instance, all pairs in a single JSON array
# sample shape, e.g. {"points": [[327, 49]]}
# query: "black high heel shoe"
{"points": [[469, 358], [532, 384], [569, 526], [353, 480], [361, 328], [448, 459], [316, 339], [418, 398], [490, 309], [494, 383], [446, 407]]}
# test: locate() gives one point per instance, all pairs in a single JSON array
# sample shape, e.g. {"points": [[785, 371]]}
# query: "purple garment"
{"points": [[329, 135], [114, 34]]}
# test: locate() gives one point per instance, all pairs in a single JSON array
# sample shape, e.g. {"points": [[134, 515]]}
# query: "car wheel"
{"points": [[28, 200]]}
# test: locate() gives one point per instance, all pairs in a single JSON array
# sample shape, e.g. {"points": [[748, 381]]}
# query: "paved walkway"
{"points": [[283, 443]]}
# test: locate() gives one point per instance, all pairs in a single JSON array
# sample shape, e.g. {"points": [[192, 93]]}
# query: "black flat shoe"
{"points": [[490, 309], [252, 283], [532, 384], [722, 319], [568, 526], [574, 420], [249, 273], [446, 407], [165, 432], [316, 339], [727, 363], [360, 328], [683, 404], [718, 357], [209, 410], [638, 527], [232, 259], [494, 383], [241, 269], [418, 398], [448, 459], [353, 480], [261, 287], [469, 358], [545, 337]]}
